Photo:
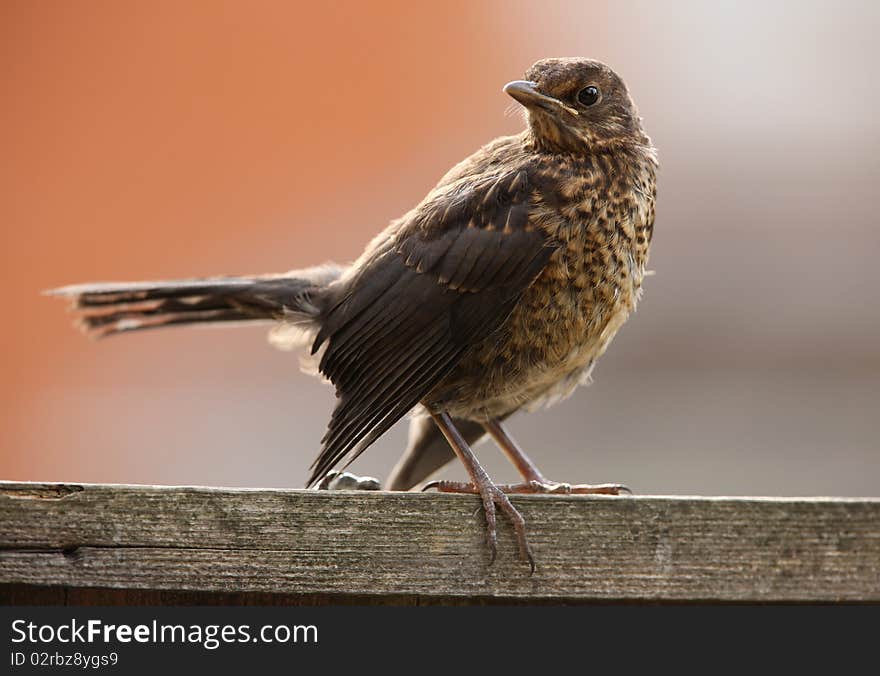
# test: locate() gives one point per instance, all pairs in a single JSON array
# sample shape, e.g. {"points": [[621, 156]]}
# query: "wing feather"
{"points": [[447, 278]]}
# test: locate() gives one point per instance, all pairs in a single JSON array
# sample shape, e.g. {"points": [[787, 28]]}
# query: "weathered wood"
{"points": [[374, 545]]}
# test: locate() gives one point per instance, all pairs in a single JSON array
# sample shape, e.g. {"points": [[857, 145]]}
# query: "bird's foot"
{"points": [[346, 481], [494, 498], [533, 486], [554, 487]]}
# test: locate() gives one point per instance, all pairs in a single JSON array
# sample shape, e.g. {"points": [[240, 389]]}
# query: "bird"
{"points": [[494, 294]]}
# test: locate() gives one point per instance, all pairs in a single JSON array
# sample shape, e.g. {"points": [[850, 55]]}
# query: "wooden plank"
{"points": [[426, 545]]}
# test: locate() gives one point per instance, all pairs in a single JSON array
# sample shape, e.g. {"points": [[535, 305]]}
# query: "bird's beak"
{"points": [[527, 94]]}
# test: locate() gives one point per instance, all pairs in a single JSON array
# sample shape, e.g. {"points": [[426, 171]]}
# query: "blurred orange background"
{"points": [[176, 139]]}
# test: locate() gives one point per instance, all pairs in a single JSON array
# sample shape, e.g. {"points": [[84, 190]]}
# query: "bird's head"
{"points": [[577, 105]]}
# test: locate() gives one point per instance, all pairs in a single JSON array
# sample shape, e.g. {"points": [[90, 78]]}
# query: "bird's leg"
{"points": [[535, 482], [482, 485], [523, 463]]}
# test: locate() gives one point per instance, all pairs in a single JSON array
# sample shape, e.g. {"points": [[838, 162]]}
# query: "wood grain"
{"points": [[376, 545]]}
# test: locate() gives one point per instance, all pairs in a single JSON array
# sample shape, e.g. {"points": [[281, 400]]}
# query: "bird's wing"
{"points": [[448, 278]]}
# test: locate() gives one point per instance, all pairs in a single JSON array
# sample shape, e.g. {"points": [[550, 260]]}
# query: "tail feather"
{"points": [[105, 293], [109, 308]]}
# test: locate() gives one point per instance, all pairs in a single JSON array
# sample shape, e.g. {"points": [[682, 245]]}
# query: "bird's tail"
{"points": [[109, 308]]}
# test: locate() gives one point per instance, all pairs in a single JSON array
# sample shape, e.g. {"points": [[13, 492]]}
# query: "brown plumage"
{"points": [[498, 291]]}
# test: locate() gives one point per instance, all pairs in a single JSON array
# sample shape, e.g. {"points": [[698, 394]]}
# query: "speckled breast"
{"points": [[601, 215]]}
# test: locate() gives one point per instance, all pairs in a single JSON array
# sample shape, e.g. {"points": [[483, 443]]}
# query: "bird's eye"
{"points": [[588, 95]]}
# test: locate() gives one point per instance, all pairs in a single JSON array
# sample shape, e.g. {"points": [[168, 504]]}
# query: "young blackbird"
{"points": [[497, 292]]}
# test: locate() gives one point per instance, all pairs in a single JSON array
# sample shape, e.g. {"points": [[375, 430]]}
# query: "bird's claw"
{"points": [[493, 498], [534, 486], [577, 489]]}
